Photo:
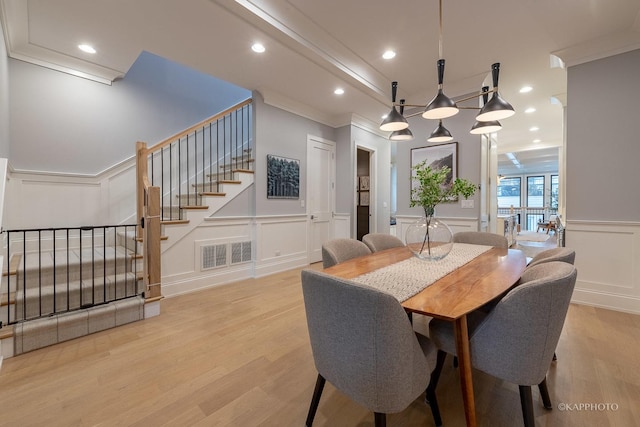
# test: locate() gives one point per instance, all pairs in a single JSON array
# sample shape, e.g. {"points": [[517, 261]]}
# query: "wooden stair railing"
{"points": [[150, 197]]}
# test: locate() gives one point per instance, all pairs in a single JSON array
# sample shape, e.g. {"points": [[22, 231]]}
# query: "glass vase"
{"points": [[429, 238]]}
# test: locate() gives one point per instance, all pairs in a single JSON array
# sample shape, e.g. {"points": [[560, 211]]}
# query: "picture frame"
{"points": [[364, 198], [364, 183], [283, 177], [436, 156]]}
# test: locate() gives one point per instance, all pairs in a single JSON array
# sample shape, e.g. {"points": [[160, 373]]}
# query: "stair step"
{"points": [[37, 302]]}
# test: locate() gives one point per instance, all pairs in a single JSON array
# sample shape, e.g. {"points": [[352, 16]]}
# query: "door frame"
{"points": [[373, 188]]}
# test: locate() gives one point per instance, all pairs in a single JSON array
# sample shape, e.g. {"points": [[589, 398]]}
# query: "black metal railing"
{"points": [[201, 159], [56, 270]]}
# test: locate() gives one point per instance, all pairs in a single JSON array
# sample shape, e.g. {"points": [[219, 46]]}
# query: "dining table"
{"points": [[449, 289]]}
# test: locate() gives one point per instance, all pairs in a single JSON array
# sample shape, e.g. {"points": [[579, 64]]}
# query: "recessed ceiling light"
{"points": [[258, 47], [535, 141], [526, 89], [534, 128], [389, 54], [530, 110], [86, 48], [339, 91]]}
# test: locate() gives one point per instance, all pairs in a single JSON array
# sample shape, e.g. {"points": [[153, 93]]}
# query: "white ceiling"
{"points": [[315, 46]]}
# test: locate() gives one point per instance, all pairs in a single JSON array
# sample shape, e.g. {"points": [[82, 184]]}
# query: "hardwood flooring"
{"points": [[239, 355]]}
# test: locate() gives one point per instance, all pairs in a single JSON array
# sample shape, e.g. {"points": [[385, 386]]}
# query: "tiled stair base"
{"points": [[40, 333]]}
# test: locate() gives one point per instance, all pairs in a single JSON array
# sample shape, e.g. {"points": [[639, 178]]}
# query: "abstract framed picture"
{"points": [[283, 178], [436, 157]]}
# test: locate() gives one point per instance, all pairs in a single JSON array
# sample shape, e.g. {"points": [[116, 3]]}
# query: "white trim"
{"points": [[608, 263]]}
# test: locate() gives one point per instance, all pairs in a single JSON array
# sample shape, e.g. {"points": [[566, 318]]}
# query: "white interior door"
{"points": [[321, 199]]}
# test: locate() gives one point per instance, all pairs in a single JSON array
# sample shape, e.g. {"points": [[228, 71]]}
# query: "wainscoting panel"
{"points": [[342, 226], [608, 263], [281, 243], [456, 224]]}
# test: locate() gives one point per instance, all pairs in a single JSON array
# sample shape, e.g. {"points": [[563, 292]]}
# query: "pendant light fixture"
{"points": [[481, 128], [440, 134], [394, 120], [441, 107], [402, 134], [497, 108]]}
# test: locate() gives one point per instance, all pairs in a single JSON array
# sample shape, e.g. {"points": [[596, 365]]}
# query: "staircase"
{"points": [[52, 293]]}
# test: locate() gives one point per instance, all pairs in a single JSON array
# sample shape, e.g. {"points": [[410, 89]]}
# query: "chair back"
{"points": [[336, 251], [481, 238], [555, 254], [517, 339], [363, 343], [380, 241]]}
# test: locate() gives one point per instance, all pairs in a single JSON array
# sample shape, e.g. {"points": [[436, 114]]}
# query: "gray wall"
{"points": [[4, 98], [281, 133], [603, 142], [62, 123], [468, 162]]}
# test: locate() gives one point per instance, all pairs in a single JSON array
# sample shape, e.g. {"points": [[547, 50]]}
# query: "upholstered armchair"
{"points": [[336, 251], [363, 344], [381, 241], [517, 339], [481, 238]]}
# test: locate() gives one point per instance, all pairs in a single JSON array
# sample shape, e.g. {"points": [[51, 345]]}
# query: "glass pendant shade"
{"points": [[441, 106], [401, 135], [481, 128], [440, 134]]}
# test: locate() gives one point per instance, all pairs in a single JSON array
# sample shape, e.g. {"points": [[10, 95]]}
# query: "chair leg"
{"points": [[430, 394], [544, 394], [380, 419], [315, 400], [527, 405]]}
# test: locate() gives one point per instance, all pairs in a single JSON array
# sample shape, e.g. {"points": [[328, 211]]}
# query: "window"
{"points": [[509, 192], [535, 191], [553, 202]]}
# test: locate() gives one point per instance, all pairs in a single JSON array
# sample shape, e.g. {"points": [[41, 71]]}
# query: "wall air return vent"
{"points": [[240, 252], [214, 256]]}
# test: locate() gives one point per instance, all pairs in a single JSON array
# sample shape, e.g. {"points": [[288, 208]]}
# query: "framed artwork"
{"points": [[436, 156], [364, 198], [364, 183], [283, 178]]}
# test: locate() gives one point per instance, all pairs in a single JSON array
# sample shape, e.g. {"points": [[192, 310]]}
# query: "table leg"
{"points": [[464, 362]]}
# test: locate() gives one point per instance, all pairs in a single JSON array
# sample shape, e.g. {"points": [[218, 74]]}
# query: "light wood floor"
{"points": [[239, 355]]}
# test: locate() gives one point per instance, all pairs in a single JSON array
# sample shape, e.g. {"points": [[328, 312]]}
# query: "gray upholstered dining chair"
{"points": [[517, 339], [363, 344], [481, 238], [381, 241], [335, 251], [555, 254]]}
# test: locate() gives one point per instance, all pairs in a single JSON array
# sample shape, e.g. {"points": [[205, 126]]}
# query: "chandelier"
{"points": [[442, 107]]}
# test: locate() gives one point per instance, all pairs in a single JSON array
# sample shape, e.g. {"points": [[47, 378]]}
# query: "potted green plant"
{"points": [[430, 238]]}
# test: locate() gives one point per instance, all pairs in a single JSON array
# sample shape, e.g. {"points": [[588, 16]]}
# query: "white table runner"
{"points": [[406, 278]]}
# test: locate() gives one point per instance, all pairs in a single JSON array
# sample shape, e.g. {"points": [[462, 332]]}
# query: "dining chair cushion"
{"points": [[336, 251], [481, 238], [381, 241], [555, 254]]}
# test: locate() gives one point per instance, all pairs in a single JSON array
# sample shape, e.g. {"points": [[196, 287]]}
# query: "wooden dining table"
{"points": [[485, 278]]}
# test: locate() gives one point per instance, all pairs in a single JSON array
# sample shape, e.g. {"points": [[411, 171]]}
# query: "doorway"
{"points": [[321, 190], [363, 193]]}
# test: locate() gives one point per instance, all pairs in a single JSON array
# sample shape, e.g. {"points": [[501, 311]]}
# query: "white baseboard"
{"points": [[609, 301], [276, 265]]}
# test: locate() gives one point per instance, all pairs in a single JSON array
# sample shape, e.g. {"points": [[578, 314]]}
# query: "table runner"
{"points": [[406, 278]]}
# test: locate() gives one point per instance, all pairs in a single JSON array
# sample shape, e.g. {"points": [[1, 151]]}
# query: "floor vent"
{"points": [[214, 256], [240, 252]]}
